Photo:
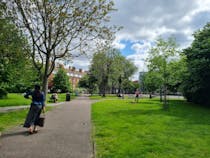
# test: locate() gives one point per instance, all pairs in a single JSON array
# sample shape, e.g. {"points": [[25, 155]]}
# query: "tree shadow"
{"points": [[141, 102], [178, 110]]}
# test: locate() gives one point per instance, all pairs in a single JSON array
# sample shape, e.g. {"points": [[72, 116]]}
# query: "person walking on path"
{"points": [[137, 94], [35, 110]]}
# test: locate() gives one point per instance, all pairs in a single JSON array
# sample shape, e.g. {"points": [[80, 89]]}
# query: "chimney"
{"points": [[73, 68]]}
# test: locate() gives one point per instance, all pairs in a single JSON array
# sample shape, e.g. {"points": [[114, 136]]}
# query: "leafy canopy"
{"points": [[196, 87]]}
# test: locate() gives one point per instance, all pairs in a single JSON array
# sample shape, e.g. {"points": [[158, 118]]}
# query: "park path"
{"points": [[67, 134], [15, 108]]}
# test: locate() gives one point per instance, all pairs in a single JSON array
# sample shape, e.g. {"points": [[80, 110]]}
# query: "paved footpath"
{"points": [[15, 108], [67, 134]]}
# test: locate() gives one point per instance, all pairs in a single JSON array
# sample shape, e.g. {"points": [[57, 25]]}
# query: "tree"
{"points": [[152, 81], [61, 81], [16, 70], [83, 82], [101, 68], [55, 28], [122, 70], [196, 87], [111, 69], [177, 71], [89, 82], [160, 56]]}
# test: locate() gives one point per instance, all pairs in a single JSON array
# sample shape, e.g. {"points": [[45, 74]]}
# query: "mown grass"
{"points": [[123, 129], [14, 99], [10, 119]]}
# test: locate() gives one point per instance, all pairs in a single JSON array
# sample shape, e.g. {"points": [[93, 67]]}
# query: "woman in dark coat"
{"points": [[37, 105]]}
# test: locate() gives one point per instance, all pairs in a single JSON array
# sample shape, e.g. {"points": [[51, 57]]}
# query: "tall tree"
{"points": [[111, 69], [196, 87], [16, 69], [123, 69], [57, 27], [160, 55], [101, 68]]}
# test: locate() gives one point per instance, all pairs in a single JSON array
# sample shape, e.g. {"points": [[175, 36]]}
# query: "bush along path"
{"points": [[67, 133]]}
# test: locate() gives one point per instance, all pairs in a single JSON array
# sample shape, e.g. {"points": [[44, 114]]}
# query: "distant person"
{"points": [[137, 95], [54, 97], [37, 105]]}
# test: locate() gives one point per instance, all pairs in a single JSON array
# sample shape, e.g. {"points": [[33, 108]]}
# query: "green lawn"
{"points": [[15, 99], [123, 129], [10, 119]]}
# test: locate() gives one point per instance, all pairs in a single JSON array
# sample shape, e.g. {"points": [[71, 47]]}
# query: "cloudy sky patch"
{"points": [[144, 21]]}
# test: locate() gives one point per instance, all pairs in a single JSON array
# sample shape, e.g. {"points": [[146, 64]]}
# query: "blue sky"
{"points": [[144, 21], [127, 49]]}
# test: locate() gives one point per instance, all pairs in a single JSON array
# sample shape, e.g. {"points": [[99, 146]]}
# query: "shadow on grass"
{"points": [[179, 110], [142, 102]]}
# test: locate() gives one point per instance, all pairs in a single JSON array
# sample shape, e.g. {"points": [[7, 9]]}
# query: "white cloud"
{"points": [[145, 20], [118, 45], [139, 57], [139, 62], [141, 48], [82, 62], [148, 19]]}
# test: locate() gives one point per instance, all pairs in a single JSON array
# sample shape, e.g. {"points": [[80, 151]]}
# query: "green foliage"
{"points": [[152, 81], [177, 72], [16, 70], [160, 56], [83, 82], [196, 87], [61, 81], [56, 28], [111, 70], [3, 93], [129, 87], [89, 82], [123, 129]]}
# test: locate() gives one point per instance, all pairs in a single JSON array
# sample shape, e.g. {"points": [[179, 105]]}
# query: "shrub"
{"points": [[3, 93]]}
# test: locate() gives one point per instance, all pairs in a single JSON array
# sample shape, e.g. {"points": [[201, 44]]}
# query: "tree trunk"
{"points": [[45, 77], [44, 85], [113, 92], [161, 96], [165, 104]]}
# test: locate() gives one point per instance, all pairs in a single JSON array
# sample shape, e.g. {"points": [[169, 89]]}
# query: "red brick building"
{"points": [[74, 76]]}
